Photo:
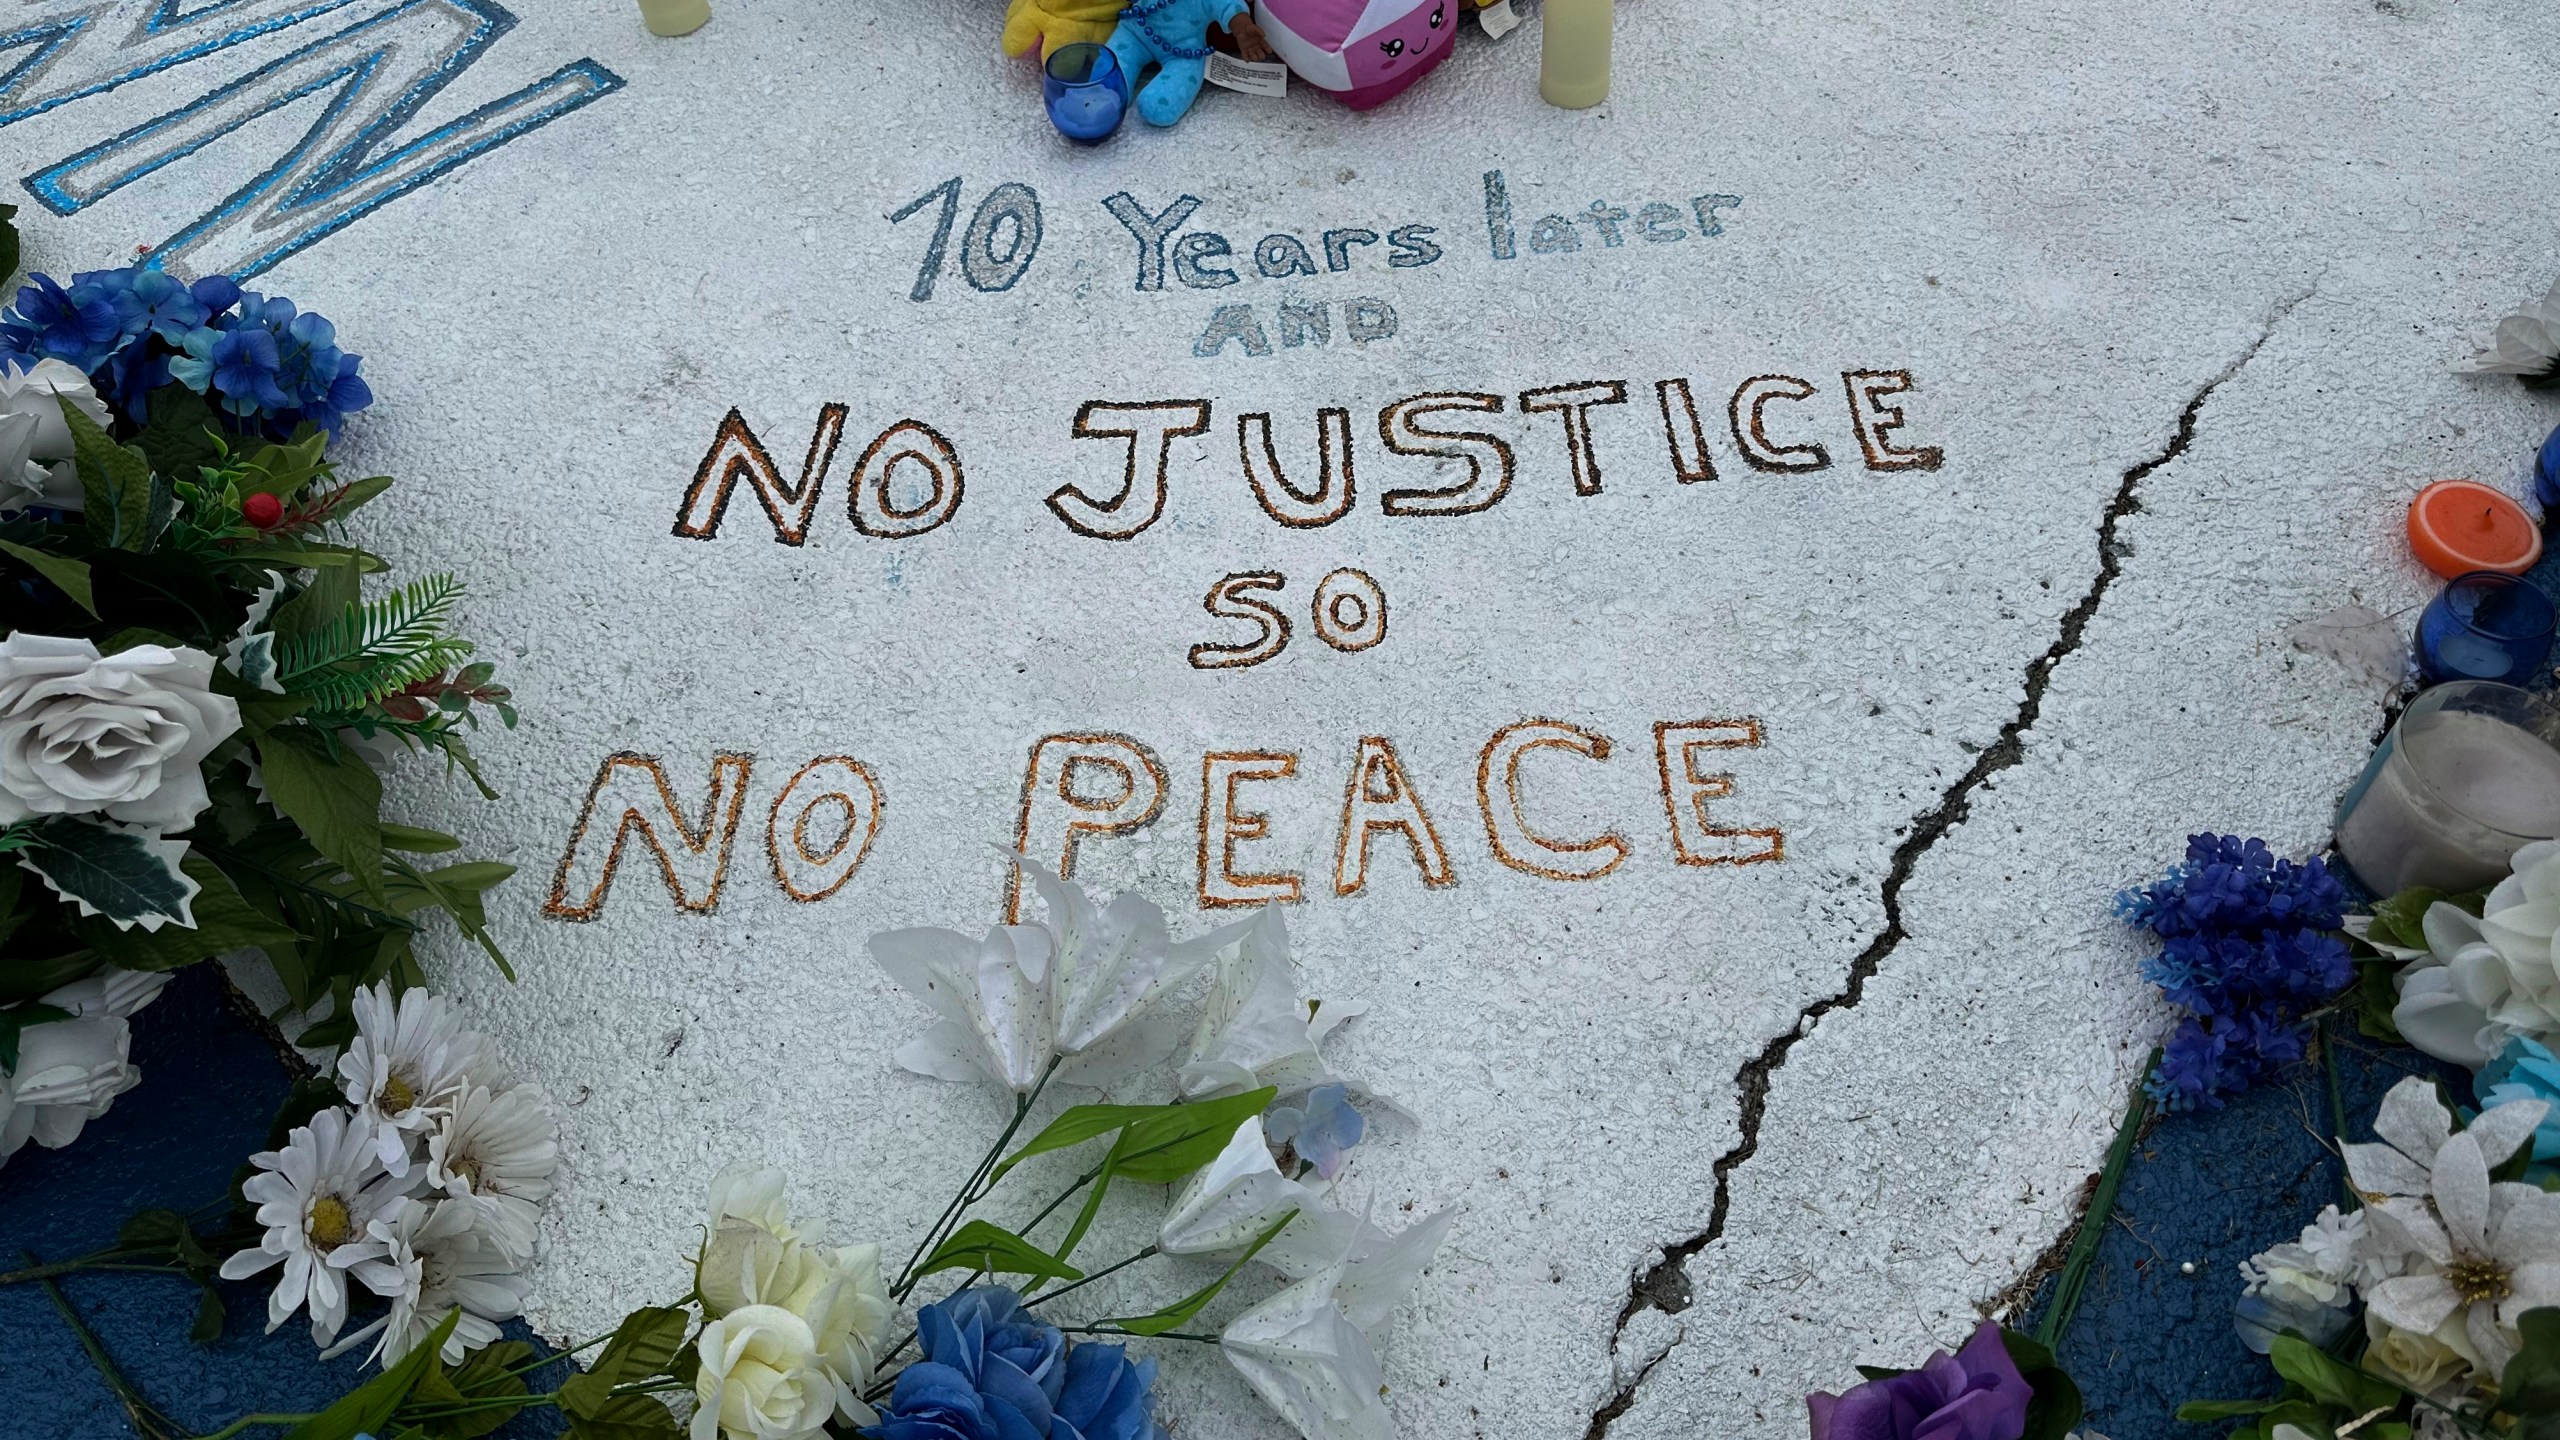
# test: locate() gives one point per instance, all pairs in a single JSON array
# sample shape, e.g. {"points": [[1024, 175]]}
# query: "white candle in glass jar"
{"points": [[2465, 779]]}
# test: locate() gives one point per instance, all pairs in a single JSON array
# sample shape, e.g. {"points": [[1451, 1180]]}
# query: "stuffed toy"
{"points": [[1058, 22], [1363, 52], [1172, 36]]}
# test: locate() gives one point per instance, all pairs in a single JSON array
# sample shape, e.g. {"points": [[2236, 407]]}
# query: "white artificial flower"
{"points": [[496, 1153], [1227, 1204], [1254, 1030], [756, 1256], [35, 441], [2490, 978], [437, 1258], [406, 1067], [111, 992], [68, 1073], [2424, 1363], [318, 1198], [2318, 1270], [1077, 990], [116, 735], [2525, 343], [2472, 1250], [1309, 1351], [761, 1379], [23, 482]]}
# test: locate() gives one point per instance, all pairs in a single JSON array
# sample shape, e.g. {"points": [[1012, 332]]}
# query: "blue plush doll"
{"points": [[1173, 36]]}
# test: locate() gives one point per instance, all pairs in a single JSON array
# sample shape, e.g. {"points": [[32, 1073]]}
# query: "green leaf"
{"points": [[1077, 1125], [2401, 919], [630, 1417], [210, 1314], [2055, 1410], [414, 841], [130, 879], [1166, 1148], [336, 799], [2531, 1384], [643, 1347], [224, 922], [1181, 1312], [2376, 997], [2198, 1411], [481, 1378], [17, 1018], [115, 482], [180, 441], [323, 598], [2331, 1382], [69, 576], [998, 1251], [368, 1408], [311, 557], [282, 470]]}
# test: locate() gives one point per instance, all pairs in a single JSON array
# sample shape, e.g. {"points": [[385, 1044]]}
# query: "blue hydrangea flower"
{"points": [[236, 368], [1320, 1129], [156, 302], [78, 325], [990, 1372], [1107, 1396], [2526, 1070]]}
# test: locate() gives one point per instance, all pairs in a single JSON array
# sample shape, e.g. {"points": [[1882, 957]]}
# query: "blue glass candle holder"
{"points": [[2485, 626], [2546, 477], [1087, 94]]}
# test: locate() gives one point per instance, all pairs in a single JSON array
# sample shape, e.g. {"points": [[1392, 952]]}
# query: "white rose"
{"points": [[2424, 1363], [761, 1379], [755, 1194], [34, 436], [122, 735], [69, 1072]]}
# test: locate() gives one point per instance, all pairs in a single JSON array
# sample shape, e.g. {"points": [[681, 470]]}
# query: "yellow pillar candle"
{"points": [[1573, 63], [675, 17]]}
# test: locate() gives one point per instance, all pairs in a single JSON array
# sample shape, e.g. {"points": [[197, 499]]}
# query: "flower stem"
{"points": [[82, 1265], [1147, 1254], [147, 1421], [2347, 1201], [1115, 1331], [970, 1193], [2093, 1225]]}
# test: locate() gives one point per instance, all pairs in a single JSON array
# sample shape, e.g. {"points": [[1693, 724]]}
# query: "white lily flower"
{"points": [[1254, 1030], [1308, 1350], [2479, 1251], [1226, 1205], [1078, 990], [2525, 343]]}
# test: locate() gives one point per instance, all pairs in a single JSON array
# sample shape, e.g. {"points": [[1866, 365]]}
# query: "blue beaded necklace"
{"points": [[1145, 13]]}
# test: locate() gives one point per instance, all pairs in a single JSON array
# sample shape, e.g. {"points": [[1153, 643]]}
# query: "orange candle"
{"points": [[2458, 526]]}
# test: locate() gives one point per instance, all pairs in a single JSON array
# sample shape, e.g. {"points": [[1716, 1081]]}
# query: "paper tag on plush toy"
{"points": [[1271, 81], [1498, 19]]}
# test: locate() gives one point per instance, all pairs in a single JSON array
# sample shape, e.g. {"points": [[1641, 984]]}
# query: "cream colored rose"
{"points": [[2423, 1363], [839, 1294], [761, 1379], [120, 735]]}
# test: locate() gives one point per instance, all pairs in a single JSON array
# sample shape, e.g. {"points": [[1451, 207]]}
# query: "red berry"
{"points": [[262, 510]]}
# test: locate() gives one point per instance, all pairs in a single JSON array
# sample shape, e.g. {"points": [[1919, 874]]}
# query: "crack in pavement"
{"points": [[1666, 1286]]}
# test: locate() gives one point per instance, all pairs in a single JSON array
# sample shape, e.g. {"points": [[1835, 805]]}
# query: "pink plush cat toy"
{"points": [[1173, 37], [1365, 52]]}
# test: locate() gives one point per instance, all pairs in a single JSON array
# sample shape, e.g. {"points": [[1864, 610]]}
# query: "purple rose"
{"points": [[1974, 1394]]}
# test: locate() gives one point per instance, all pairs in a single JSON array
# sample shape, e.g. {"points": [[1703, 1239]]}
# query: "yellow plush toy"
{"points": [[1059, 22]]}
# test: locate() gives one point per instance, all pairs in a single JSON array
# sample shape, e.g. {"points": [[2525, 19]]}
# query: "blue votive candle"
{"points": [[1087, 95], [2485, 626]]}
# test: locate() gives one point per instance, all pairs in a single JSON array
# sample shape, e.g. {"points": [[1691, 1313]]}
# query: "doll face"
{"points": [[1403, 43]]}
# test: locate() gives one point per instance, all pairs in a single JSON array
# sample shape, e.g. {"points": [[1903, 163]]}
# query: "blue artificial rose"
{"points": [[990, 1372], [1108, 1396]]}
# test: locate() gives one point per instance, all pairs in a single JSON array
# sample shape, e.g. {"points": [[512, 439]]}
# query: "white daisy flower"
{"points": [[496, 1153], [317, 1196], [437, 1259], [405, 1067]]}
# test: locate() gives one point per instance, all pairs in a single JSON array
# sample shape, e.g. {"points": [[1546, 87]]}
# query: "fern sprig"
{"points": [[374, 647]]}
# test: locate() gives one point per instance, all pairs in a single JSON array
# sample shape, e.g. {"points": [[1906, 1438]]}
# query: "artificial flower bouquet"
{"points": [[785, 1336], [197, 694]]}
